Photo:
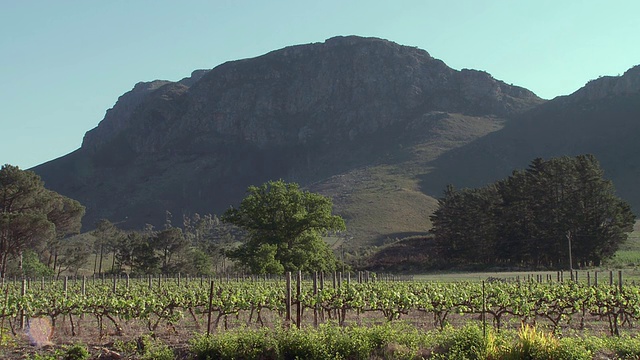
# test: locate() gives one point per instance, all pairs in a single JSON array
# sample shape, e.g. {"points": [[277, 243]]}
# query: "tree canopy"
{"points": [[31, 215], [285, 227], [531, 217]]}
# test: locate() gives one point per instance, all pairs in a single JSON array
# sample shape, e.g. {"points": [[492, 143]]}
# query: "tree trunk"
{"points": [[55, 259], [100, 266], [4, 265], [95, 264]]}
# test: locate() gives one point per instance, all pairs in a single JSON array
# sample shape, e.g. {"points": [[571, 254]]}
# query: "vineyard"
{"points": [[115, 306]]}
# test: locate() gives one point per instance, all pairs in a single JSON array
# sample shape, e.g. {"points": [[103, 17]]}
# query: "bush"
{"points": [[624, 347], [76, 352], [302, 344], [398, 341], [466, 343], [256, 344], [153, 349], [230, 345], [572, 349], [32, 267], [534, 344], [347, 343]]}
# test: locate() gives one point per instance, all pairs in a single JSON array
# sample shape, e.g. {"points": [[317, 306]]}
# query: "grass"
{"points": [[387, 205], [389, 200], [628, 256]]}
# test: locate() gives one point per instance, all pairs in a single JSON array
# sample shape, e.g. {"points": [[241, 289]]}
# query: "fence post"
{"points": [[287, 321], [210, 309], [620, 280], [315, 295], [610, 277], [298, 296], [23, 292], [484, 310]]}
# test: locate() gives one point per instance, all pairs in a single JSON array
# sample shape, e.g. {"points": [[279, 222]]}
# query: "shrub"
{"points": [[153, 349], [76, 352], [220, 346], [302, 344], [256, 344], [347, 343], [624, 347], [534, 344], [572, 349], [466, 343], [396, 341]]}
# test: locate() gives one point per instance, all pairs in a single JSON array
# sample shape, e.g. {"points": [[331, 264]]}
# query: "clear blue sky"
{"points": [[64, 63]]}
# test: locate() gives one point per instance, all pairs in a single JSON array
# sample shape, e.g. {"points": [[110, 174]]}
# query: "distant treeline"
{"points": [[554, 210]]}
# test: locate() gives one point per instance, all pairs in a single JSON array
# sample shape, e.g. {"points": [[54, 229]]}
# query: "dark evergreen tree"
{"points": [[536, 217]]}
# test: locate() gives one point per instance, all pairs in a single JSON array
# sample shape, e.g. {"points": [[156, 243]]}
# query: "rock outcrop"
{"points": [[609, 86]]}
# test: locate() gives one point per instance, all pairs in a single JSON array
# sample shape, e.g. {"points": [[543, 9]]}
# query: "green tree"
{"points": [[107, 237], [212, 237], [464, 225], [285, 227], [31, 215], [171, 243], [144, 259], [66, 214], [516, 224], [534, 217], [73, 254]]}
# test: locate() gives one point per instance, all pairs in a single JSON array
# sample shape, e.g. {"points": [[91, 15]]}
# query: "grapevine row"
{"points": [[555, 303]]}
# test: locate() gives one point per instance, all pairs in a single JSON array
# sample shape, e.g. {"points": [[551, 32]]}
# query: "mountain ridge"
{"points": [[363, 120]]}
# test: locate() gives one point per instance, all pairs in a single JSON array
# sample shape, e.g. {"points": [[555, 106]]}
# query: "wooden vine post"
{"points": [[315, 295], [23, 292], [287, 320], [298, 297], [210, 309]]}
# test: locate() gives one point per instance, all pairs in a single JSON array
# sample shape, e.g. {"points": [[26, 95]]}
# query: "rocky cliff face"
{"points": [[118, 118], [302, 113], [340, 90], [609, 86]]}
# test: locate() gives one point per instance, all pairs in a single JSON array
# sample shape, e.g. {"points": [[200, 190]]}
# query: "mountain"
{"points": [[602, 118], [378, 126]]}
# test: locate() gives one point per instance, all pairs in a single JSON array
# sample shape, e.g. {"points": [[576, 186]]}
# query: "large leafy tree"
{"points": [[285, 227], [31, 215]]}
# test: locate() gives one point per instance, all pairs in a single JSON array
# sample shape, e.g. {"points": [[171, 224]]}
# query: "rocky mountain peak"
{"points": [[339, 90], [119, 116], [607, 86]]}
